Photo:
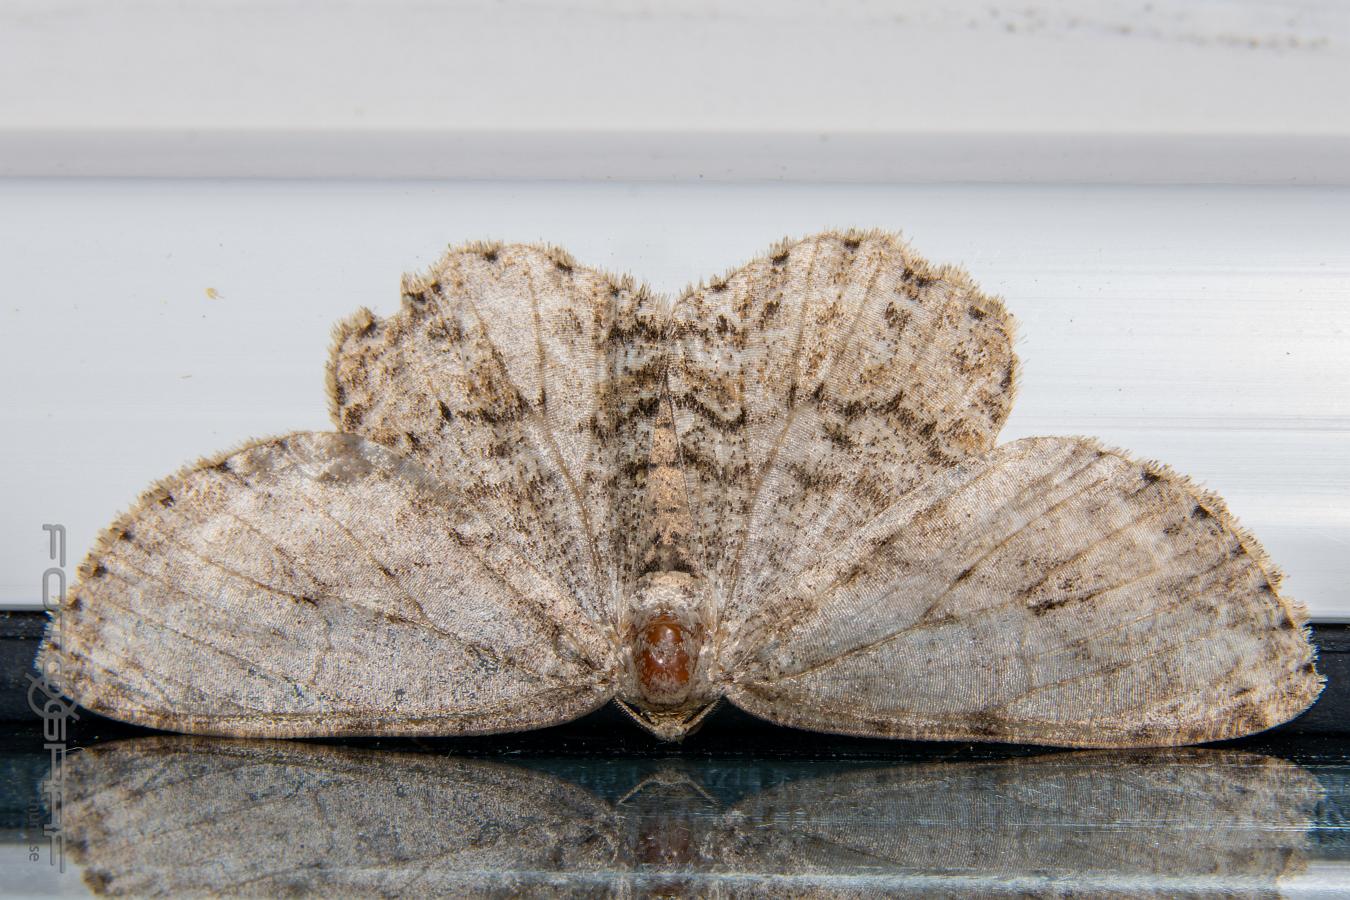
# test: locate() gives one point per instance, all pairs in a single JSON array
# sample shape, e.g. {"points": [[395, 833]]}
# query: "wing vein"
{"points": [[791, 623], [839, 349], [926, 622], [244, 661], [423, 619], [541, 421], [546, 426]]}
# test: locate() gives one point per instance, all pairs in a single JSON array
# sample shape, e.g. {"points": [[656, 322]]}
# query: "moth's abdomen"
{"points": [[665, 665]]}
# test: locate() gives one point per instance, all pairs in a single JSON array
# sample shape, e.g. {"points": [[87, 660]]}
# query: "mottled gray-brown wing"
{"points": [[530, 381], [1052, 592], [319, 584], [184, 817], [813, 386]]}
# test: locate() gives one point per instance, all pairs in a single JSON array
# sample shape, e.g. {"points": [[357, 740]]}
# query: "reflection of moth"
{"points": [[552, 489], [186, 816]]}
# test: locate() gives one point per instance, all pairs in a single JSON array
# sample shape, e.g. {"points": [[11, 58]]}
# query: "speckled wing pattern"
{"points": [[885, 571], [1050, 592], [463, 555], [811, 389], [318, 584], [532, 382], [447, 565]]}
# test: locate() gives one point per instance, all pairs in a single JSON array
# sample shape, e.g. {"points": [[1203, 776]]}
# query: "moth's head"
{"points": [[669, 724]]}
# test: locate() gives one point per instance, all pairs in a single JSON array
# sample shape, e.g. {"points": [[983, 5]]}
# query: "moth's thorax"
{"points": [[665, 653], [664, 664], [665, 638]]}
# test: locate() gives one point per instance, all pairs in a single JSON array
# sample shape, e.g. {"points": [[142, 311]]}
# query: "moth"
{"points": [[550, 488]]}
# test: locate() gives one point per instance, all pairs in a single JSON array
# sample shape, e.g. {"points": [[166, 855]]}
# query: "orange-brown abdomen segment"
{"points": [[664, 668]]}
